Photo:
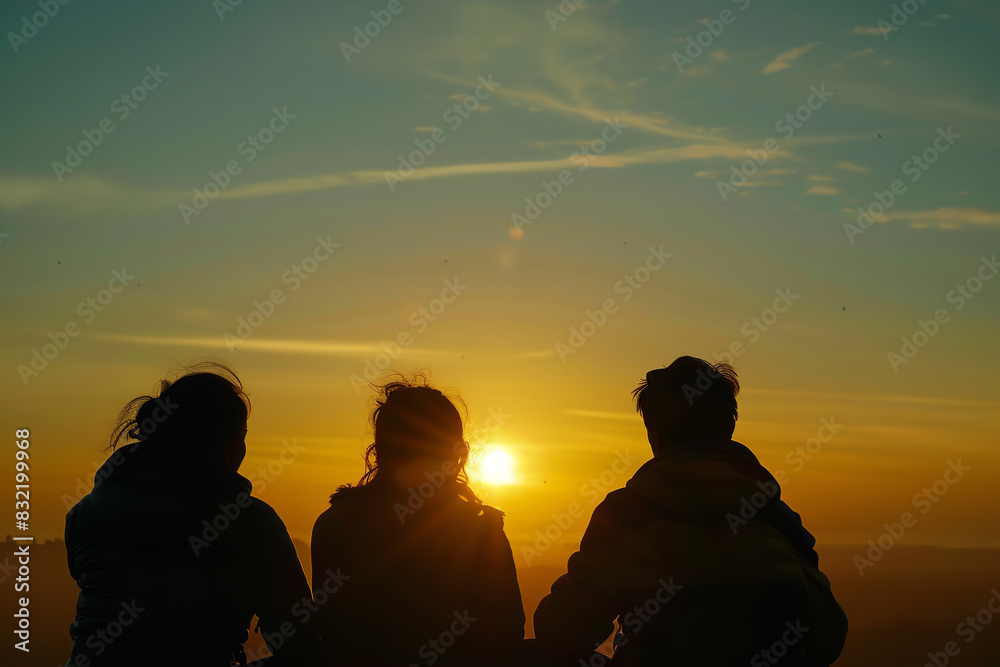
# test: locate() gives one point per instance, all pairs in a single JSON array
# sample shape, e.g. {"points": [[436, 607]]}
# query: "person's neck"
{"points": [[687, 440]]}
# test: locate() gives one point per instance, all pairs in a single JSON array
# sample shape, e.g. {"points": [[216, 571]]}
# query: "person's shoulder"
{"points": [[79, 507], [620, 501], [346, 503], [622, 510], [256, 510], [81, 515], [347, 494], [488, 514]]}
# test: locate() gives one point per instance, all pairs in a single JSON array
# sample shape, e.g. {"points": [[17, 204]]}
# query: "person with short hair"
{"points": [[691, 577]]}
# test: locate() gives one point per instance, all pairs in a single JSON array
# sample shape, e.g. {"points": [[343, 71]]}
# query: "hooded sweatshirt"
{"points": [[173, 562], [702, 564], [422, 577]]}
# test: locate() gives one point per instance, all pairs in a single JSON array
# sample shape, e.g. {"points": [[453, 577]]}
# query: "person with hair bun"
{"points": [[172, 554], [409, 566]]}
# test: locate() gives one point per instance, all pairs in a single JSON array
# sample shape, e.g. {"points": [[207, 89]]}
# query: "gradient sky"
{"points": [[566, 418]]}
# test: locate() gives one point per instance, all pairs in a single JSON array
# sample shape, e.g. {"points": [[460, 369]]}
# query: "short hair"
{"points": [[682, 387]]}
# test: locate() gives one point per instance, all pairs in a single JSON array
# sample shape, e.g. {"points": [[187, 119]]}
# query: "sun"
{"points": [[496, 466]]}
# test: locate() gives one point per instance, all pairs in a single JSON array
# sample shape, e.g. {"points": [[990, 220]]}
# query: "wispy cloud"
{"points": [[535, 354], [861, 398], [947, 218], [872, 31], [82, 194], [784, 60], [602, 414], [647, 122], [283, 346], [843, 165], [822, 190]]}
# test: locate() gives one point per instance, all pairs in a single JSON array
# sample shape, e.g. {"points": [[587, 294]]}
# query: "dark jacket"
{"points": [[703, 564], [431, 582], [172, 564]]}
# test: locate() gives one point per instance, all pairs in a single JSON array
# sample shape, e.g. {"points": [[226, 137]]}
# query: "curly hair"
{"points": [[412, 419]]}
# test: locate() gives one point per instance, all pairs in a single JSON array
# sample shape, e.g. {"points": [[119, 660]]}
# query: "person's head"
{"points": [[418, 432], [690, 398], [199, 418]]}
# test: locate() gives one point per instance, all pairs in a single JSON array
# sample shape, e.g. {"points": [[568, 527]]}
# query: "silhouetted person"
{"points": [[417, 569], [697, 557], [172, 555]]}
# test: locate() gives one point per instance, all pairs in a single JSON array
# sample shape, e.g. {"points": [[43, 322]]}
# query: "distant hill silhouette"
{"points": [[907, 604]]}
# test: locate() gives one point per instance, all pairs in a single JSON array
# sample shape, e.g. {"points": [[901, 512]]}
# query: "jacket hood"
{"points": [[715, 479], [139, 487]]}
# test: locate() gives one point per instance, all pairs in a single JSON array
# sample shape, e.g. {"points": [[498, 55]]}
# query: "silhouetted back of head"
{"points": [[417, 425], [415, 422], [195, 415], [689, 398]]}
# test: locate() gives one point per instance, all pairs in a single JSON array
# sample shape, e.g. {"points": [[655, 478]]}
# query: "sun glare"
{"points": [[496, 467]]}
